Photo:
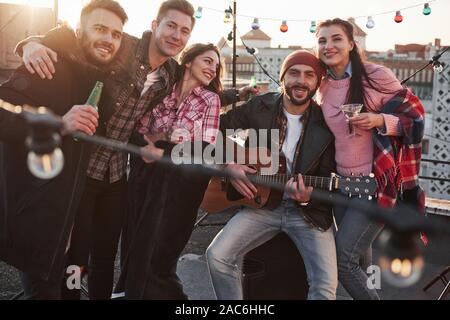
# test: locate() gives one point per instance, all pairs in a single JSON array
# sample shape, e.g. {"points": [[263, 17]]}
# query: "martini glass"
{"points": [[350, 111]]}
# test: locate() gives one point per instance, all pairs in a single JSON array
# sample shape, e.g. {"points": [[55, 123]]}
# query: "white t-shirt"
{"points": [[152, 78], [294, 131]]}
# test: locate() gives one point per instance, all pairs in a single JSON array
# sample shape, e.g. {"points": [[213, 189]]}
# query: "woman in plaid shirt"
{"points": [[164, 200]]}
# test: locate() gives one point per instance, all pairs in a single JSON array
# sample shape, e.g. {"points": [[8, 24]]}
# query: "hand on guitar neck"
{"points": [[242, 184], [297, 190]]}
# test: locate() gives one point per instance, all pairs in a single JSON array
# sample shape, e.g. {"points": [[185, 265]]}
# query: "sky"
{"points": [[415, 28]]}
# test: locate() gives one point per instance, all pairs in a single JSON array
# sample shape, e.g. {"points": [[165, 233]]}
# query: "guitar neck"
{"points": [[282, 179]]}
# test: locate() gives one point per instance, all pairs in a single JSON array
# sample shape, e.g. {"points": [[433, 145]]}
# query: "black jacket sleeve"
{"points": [[17, 91], [239, 118], [228, 97], [12, 127], [24, 88], [57, 38]]}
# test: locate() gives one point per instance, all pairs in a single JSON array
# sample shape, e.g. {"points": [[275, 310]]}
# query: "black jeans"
{"points": [[173, 235], [96, 234], [37, 289], [163, 208]]}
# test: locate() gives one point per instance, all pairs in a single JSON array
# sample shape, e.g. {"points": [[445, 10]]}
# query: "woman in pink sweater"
{"points": [[350, 80]]}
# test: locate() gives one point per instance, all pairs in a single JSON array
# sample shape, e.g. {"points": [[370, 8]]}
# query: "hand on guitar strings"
{"points": [[241, 183], [297, 190]]}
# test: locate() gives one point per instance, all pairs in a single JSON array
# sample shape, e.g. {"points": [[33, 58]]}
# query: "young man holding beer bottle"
{"points": [[44, 224]]}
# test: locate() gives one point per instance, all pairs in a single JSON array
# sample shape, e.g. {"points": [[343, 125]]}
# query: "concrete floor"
{"points": [[192, 267]]}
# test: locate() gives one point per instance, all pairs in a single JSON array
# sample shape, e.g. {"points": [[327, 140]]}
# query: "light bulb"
{"points": [[284, 27], [398, 17], [255, 24], [426, 9], [252, 51], [370, 23], [227, 18], [46, 166], [401, 272], [401, 261], [313, 27], [438, 67], [198, 14]]}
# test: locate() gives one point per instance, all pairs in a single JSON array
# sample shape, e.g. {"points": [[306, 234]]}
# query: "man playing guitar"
{"points": [[308, 146]]}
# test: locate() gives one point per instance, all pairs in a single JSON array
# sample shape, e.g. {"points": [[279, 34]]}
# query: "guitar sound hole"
{"points": [[258, 199]]}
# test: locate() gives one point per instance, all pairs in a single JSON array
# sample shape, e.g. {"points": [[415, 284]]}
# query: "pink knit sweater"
{"points": [[354, 155]]}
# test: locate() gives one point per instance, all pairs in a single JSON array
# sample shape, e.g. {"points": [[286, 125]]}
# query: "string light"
{"points": [[438, 67], [313, 27], [370, 23], [398, 17], [227, 18], [255, 24], [284, 27], [198, 14], [426, 9]]}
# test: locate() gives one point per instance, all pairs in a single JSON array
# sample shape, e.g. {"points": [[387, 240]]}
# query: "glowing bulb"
{"points": [[401, 272], [255, 24], [46, 166], [313, 27], [398, 17], [198, 14], [426, 9], [370, 23], [396, 266], [284, 27], [401, 262], [406, 268]]}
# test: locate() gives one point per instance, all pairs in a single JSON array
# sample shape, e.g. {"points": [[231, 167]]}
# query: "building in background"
{"points": [[16, 23], [432, 88], [437, 134]]}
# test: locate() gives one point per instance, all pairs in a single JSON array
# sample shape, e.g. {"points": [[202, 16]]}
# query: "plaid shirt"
{"points": [[129, 108], [397, 159], [197, 116]]}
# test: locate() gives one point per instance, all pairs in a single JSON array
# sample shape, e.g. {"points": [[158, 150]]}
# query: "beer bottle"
{"points": [[95, 95], [94, 98]]}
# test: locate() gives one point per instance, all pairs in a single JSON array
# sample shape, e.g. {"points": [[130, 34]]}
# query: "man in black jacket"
{"points": [[37, 216], [308, 146]]}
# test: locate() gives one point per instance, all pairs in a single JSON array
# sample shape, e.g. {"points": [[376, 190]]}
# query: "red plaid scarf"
{"points": [[397, 159]]}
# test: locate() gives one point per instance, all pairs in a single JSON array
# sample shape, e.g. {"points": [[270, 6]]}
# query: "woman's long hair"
{"points": [[190, 53], [356, 93]]}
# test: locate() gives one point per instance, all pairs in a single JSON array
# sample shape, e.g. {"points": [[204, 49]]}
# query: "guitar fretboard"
{"points": [[309, 181]]}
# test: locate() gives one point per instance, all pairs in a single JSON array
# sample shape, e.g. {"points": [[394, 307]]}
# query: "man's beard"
{"points": [[87, 46], [295, 101]]}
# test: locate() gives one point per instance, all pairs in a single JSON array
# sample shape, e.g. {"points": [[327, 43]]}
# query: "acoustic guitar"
{"points": [[220, 195]]}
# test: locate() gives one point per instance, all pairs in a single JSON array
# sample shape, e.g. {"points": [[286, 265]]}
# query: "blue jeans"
{"points": [[354, 251], [251, 228]]}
